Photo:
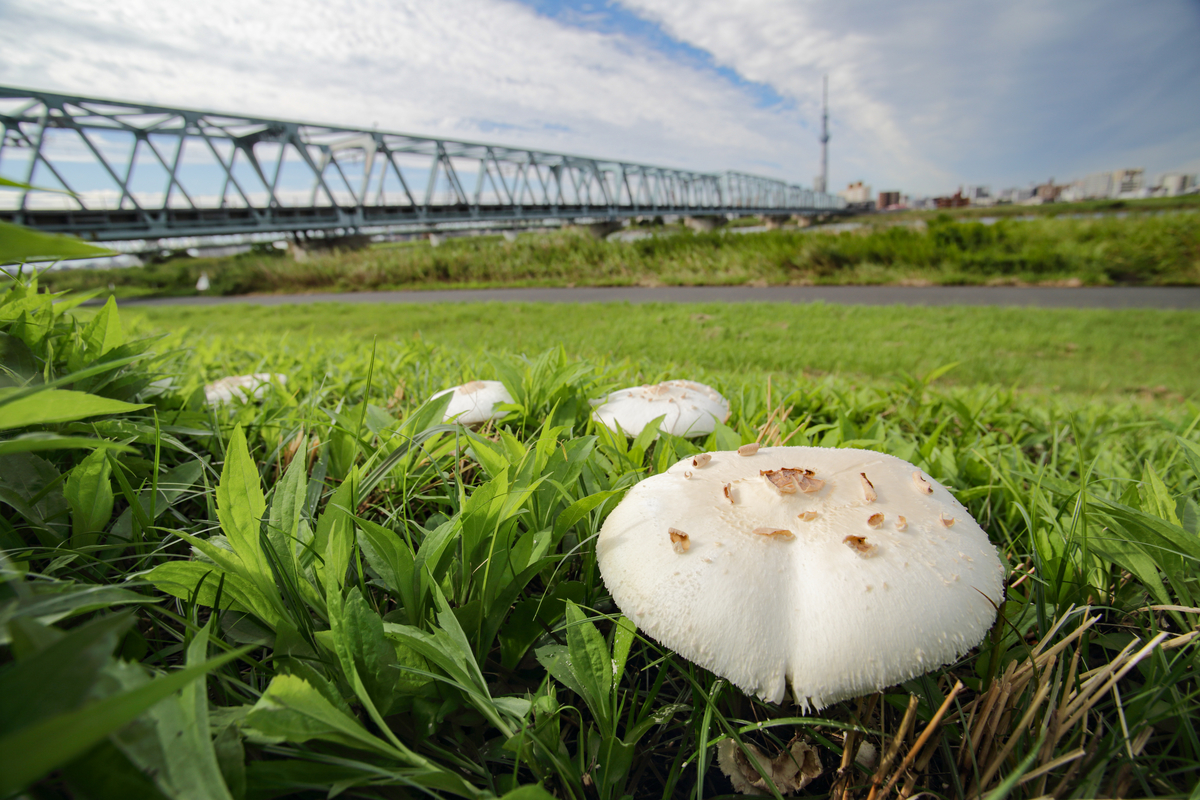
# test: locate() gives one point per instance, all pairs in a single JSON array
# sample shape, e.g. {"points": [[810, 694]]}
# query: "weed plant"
{"points": [[331, 591], [1161, 249]]}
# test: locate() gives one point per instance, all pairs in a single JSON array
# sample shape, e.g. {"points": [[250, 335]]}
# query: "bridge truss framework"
{"points": [[124, 171]]}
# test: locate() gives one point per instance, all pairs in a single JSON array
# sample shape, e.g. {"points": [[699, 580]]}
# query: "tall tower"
{"points": [[822, 181]]}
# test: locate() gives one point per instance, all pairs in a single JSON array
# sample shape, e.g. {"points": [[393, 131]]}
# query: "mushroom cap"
{"points": [[691, 409], [474, 403], [848, 604], [247, 387]]}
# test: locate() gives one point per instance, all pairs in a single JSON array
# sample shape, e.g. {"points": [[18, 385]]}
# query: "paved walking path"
{"points": [[1107, 297]]}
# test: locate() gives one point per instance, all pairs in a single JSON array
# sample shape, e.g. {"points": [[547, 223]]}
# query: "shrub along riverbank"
{"points": [[1140, 249], [329, 591]]}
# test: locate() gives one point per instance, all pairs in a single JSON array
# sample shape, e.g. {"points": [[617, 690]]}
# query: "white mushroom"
{"points": [[244, 387], [838, 607], [691, 409], [474, 403]]}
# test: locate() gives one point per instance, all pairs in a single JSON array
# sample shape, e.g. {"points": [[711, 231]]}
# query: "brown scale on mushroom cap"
{"points": [[875, 520], [868, 488], [748, 449], [699, 461], [923, 486], [788, 480], [775, 533], [680, 541], [859, 544]]}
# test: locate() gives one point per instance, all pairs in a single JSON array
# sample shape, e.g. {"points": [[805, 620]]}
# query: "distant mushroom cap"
{"points": [[474, 403], [247, 387], [790, 576], [690, 408]]}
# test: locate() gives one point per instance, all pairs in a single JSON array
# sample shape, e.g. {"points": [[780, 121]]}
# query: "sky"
{"points": [[925, 96]]}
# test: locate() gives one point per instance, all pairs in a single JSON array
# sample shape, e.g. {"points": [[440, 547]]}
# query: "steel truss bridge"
{"points": [[108, 170]]}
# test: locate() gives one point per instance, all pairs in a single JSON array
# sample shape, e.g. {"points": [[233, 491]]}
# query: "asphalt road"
{"points": [[1107, 297]]}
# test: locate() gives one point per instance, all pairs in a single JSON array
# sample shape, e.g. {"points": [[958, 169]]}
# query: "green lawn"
{"points": [[1078, 351], [327, 590]]}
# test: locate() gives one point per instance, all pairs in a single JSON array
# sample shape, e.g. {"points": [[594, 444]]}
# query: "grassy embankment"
{"points": [[1139, 249], [385, 606], [1039, 350]]}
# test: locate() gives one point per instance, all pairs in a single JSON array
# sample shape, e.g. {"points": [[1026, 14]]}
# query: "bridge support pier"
{"points": [[775, 221], [704, 224], [601, 230], [301, 248]]}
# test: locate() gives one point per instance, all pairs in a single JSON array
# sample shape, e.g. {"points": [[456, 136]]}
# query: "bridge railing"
{"points": [[116, 170]]}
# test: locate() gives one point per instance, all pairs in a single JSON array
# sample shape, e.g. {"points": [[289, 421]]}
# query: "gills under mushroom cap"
{"points": [[475, 403], [690, 408], [848, 603]]}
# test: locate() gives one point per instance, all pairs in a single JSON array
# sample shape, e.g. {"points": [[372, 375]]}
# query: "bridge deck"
{"points": [[110, 170]]}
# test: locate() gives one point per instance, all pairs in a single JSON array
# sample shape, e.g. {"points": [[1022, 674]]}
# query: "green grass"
{"points": [[384, 606], [1079, 351], [1141, 249]]}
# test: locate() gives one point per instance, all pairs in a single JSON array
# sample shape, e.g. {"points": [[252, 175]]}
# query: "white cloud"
{"points": [[467, 68], [924, 96], [927, 94]]}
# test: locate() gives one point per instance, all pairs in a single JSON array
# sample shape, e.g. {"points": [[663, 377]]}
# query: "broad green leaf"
{"points": [[287, 507], [171, 487], [103, 333], [89, 494], [336, 527], [30, 752], [189, 749], [590, 662], [32, 486], [19, 244], [181, 579], [293, 710], [59, 678], [1155, 497], [360, 631], [50, 602], [578, 510], [623, 637], [56, 405], [41, 440], [240, 506], [533, 791], [390, 556]]}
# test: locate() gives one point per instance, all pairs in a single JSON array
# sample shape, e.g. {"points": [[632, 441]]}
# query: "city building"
{"points": [[858, 196], [979, 195], [1173, 184], [888, 199], [955, 200]]}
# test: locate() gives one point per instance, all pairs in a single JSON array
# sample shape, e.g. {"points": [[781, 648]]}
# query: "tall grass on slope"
{"points": [[1149, 249], [386, 605]]}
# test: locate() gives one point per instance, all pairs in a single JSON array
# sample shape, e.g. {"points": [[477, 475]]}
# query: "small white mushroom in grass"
{"points": [[753, 614], [475, 403], [633, 408], [241, 387]]}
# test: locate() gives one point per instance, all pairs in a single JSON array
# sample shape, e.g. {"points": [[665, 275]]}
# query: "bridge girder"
{"points": [[136, 171]]}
